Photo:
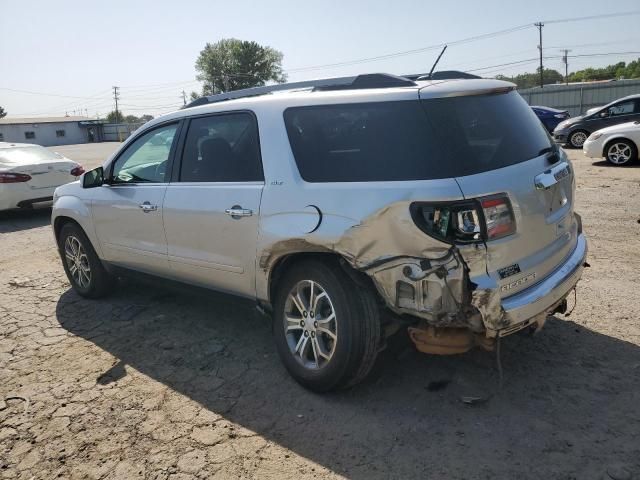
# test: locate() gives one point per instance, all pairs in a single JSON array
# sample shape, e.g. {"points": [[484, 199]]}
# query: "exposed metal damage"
{"points": [[414, 273]]}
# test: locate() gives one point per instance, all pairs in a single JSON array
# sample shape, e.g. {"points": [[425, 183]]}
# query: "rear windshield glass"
{"points": [[26, 155], [413, 140]]}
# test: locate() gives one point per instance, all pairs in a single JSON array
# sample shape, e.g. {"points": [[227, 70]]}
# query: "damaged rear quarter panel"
{"points": [[369, 225]]}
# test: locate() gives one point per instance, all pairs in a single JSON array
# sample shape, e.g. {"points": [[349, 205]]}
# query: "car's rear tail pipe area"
{"points": [[448, 340]]}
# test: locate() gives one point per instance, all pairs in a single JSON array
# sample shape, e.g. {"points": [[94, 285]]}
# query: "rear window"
{"points": [[413, 140]]}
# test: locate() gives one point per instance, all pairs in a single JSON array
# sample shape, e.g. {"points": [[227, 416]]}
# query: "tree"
{"points": [[232, 64], [146, 118], [528, 80], [2, 113], [113, 118]]}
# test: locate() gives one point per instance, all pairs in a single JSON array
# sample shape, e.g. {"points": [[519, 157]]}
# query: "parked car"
{"points": [[618, 144], [576, 130], [550, 117], [30, 173], [346, 208]]}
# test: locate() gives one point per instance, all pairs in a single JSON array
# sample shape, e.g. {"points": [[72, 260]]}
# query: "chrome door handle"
{"points": [[147, 207], [237, 211]]}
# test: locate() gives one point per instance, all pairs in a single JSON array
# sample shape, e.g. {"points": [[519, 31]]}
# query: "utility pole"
{"points": [[184, 98], [540, 25], [116, 96], [565, 60]]}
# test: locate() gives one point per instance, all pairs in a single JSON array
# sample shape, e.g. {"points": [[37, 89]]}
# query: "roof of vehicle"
{"points": [[15, 145], [309, 96], [18, 121]]}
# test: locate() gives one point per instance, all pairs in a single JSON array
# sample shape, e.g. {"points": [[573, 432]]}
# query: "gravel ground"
{"points": [[154, 383]]}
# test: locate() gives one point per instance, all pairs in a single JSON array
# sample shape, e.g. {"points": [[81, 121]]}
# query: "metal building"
{"points": [[579, 97], [48, 131]]}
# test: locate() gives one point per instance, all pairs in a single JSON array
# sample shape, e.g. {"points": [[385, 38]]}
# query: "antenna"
{"points": [[437, 60]]}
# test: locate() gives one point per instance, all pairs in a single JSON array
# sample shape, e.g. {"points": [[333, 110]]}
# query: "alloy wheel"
{"points": [[619, 153], [310, 324], [77, 262], [578, 139]]}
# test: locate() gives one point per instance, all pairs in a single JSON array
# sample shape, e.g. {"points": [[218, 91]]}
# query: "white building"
{"points": [[50, 131]]}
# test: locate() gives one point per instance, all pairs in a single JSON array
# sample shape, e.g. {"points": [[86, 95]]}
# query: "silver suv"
{"points": [[346, 208]]}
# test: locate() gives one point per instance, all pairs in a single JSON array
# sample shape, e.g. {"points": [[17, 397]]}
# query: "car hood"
{"points": [[620, 128], [569, 122]]}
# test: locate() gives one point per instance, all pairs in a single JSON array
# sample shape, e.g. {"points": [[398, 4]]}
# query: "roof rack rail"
{"points": [[369, 80], [443, 75]]}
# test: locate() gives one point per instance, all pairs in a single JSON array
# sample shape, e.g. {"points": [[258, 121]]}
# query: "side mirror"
{"points": [[93, 178], [604, 114]]}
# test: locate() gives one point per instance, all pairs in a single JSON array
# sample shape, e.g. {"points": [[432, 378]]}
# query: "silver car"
{"points": [[346, 208]]}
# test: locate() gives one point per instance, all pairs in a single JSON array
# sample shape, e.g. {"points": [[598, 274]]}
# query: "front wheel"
{"points": [[621, 152], [84, 269], [326, 328], [577, 138]]}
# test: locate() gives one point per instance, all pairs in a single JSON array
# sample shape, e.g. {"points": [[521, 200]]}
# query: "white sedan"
{"points": [[618, 144], [30, 173]]}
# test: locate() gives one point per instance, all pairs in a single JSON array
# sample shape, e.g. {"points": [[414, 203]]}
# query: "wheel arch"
{"points": [[71, 209], [612, 139], [285, 262]]}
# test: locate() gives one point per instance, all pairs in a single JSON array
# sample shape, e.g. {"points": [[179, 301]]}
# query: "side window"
{"points": [[145, 160], [623, 108], [222, 148]]}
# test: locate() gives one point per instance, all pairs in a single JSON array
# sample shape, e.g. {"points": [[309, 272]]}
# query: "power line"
{"points": [[594, 17], [410, 52]]}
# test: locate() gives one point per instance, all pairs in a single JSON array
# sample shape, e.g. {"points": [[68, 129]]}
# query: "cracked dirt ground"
{"points": [[153, 383]]}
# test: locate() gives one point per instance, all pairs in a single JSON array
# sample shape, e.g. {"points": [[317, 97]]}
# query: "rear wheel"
{"points": [[84, 269], [577, 138], [326, 328], [621, 152]]}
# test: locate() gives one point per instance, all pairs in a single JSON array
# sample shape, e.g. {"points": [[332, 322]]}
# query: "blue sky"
{"points": [[80, 49]]}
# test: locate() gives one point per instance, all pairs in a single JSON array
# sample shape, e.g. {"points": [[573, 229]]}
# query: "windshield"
{"points": [[414, 140], [26, 155]]}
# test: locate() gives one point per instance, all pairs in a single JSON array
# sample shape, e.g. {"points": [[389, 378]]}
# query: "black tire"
{"points": [[576, 139], [621, 152], [357, 327], [100, 282]]}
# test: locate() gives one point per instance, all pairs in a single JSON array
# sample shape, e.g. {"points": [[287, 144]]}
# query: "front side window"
{"points": [[222, 148], [29, 135], [623, 108], [145, 160]]}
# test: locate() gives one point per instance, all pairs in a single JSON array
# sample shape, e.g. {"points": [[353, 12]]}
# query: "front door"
{"points": [[127, 210], [212, 205]]}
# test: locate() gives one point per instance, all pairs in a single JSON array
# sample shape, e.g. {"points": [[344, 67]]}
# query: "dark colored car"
{"points": [[550, 117], [575, 131]]}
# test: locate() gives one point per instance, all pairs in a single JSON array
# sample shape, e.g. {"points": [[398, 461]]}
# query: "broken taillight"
{"points": [[10, 177], [468, 221]]}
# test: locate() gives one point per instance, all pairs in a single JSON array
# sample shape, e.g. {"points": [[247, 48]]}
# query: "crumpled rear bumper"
{"points": [[541, 298]]}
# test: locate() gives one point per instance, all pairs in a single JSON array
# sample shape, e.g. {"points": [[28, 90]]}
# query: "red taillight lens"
{"points": [[10, 177], [498, 216], [77, 171]]}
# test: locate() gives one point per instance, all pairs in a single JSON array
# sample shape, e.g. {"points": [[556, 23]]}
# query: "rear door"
{"points": [[501, 148], [212, 205]]}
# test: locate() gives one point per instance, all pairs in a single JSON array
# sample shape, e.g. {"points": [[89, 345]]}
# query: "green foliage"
{"points": [[612, 72], [528, 80], [3, 113], [232, 64]]}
